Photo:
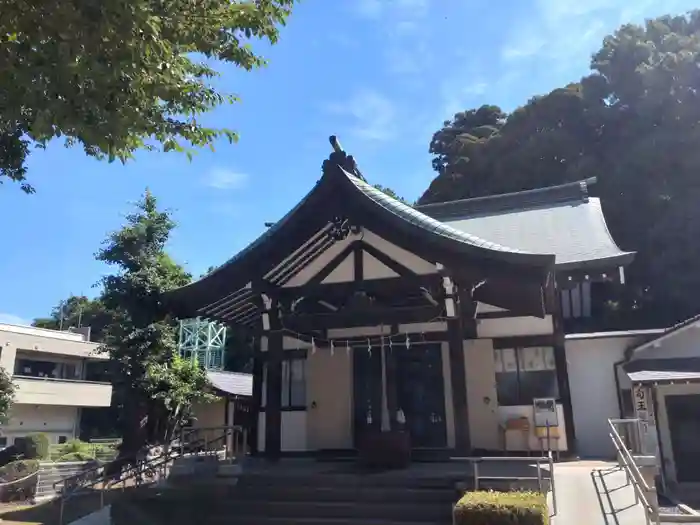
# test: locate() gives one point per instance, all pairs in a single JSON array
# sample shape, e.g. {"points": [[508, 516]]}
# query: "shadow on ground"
{"points": [[49, 512]]}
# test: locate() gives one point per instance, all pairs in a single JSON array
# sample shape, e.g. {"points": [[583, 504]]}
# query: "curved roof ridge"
{"points": [[549, 195], [424, 221]]}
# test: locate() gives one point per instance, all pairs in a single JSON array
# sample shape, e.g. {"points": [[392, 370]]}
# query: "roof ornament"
{"points": [[340, 158]]}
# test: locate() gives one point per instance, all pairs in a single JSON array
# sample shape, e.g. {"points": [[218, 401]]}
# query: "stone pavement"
{"points": [[101, 517], [594, 493]]}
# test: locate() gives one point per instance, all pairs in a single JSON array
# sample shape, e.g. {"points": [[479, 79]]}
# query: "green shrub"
{"points": [[18, 470], [76, 456], [501, 508], [75, 446], [36, 446]]}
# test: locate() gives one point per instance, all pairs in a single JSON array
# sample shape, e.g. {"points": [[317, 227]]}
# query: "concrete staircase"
{"points": [[312, 499]]}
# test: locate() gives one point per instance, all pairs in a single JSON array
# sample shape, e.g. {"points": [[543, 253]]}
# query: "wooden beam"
{"points": [[358, 264], [523, 341], [370, 316], [392, 285]]}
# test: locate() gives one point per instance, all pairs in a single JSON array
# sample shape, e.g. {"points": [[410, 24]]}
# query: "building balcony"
{"points": [[61, 392]]}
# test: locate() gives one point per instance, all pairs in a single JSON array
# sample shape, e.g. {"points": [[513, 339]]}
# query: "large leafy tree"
{"points": [[75, 312], [153, 388], [115, 76], [634, 123]]}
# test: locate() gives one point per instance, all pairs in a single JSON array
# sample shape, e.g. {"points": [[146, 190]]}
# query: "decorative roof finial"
{"points": [[339, 158]]}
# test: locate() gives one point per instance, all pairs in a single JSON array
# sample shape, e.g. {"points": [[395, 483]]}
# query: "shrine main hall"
{"points": [[444, 322]]}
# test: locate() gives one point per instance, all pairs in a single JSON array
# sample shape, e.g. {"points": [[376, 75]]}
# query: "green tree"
{"points": [[176, 385], [7, 395], [634, 123], [75, 312], [115, 76], [142, 337], [391, 193]]}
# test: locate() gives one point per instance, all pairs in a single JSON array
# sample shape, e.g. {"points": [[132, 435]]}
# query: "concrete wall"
{"points": [[590, 361], [54, 421], [13, 338]]}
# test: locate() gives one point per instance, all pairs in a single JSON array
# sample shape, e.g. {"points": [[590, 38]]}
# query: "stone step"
{"points": [[300, 510], [343, 493], [244, 520], [348, 480]]}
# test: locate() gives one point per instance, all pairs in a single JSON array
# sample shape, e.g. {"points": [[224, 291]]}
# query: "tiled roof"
{"points": [[234, 383], [426, 222], [665, 370], [562, 220]]}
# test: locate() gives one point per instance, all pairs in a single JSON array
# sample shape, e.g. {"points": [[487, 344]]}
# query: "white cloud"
{"points": [[566, 32], [226, 179], [370, 115], [13, 319]]}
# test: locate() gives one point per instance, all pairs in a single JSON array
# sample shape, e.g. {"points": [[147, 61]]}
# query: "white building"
{"points": [[48, 369]]}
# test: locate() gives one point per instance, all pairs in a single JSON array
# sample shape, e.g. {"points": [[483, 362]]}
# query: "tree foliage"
{"points": [[75, 312], [7, 395], [141, 337], [391, 193], [634, 122], [115, 76], [176, 385]]}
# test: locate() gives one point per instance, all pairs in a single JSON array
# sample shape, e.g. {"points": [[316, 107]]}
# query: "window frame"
{"points": [[519, 399]]}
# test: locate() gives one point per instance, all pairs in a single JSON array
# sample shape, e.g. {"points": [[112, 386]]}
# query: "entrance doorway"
{"points": [[684, 427], [421, 394], [367, 391]]}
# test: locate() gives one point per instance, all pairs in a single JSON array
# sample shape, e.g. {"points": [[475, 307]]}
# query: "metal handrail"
{"points": [[97, 467], [640, 486], [151, 464], [539, 461]]}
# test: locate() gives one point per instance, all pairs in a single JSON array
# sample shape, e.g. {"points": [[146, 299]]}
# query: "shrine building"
{"points": [[443, 320]]}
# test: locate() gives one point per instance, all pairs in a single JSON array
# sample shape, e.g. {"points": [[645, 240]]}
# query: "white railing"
{"points": [[627, 448]]}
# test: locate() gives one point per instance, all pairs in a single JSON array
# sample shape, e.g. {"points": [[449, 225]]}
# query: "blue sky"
{"points": [[380, 74]]}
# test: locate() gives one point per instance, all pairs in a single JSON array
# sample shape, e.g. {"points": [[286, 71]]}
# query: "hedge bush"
{"points": [[12, 472], [76, 456], [35, 446], [501, 508]]}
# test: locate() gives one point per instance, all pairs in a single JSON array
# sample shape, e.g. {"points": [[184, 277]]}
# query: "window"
{"points": [[523, 374], [3, 442], [20, 441], [62, 440], [294, 383]]}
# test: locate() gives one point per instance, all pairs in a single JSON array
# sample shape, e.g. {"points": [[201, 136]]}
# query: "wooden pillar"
{"points": [[273, 402], [455, 341], [256, 404], [392, 387], [563, 372]]}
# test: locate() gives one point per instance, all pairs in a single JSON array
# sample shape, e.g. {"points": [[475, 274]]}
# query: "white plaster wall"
{"points": [[513, 326], [261, 432], [372, 268], [594, 396], [294, 431]]}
